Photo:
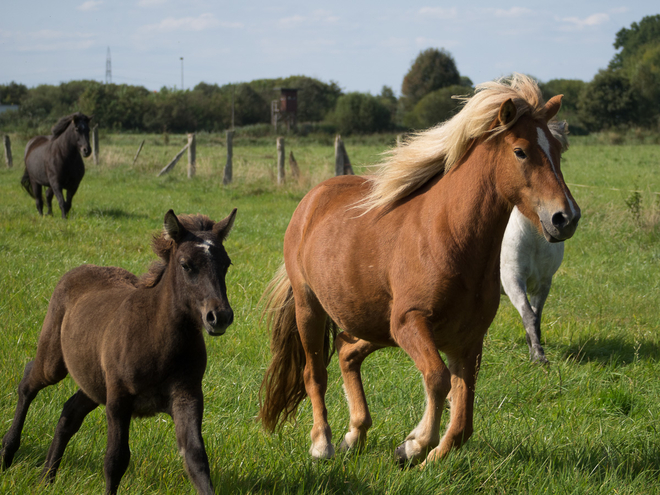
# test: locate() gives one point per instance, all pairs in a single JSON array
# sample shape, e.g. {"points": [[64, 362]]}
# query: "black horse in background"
{"points": [[54, 161]]}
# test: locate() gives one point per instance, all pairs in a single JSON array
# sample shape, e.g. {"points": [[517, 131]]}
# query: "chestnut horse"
{"points": [[135, 345], [410, 258], [54, 161]]}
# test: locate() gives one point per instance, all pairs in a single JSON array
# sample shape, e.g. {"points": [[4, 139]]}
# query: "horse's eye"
{"points": [[186, 266], [520, 153]]}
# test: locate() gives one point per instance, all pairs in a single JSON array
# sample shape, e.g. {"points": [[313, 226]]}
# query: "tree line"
{"points": [[625, 94]]}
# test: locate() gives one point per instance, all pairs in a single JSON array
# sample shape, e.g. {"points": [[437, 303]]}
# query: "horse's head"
{"points": [[200, 263], [80, 124], [530, 156]]}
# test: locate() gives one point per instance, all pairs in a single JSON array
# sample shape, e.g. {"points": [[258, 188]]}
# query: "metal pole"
{"points": [[181, 73]]}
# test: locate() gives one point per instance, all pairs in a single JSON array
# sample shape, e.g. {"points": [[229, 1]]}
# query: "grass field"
{"points": [[588, 423]]}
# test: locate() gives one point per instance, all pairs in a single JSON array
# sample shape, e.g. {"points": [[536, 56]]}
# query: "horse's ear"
{"points": [[507, 113], [172, 227], [223, 227], [552, 107]]}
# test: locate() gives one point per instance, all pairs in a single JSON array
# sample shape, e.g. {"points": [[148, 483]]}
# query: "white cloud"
{"points": [[316, 17], [592, 20], [199, 23], [439, 12], [48, 40], [151, 3], [90, 5], [512, 12]]}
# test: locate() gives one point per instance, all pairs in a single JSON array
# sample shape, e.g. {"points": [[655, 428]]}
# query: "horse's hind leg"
{"points": [[464, 367], [74, 412], [38, 198], [311, 318], [187, 415], [352, 352], [47, 369], [49, 200], [516, 290]]}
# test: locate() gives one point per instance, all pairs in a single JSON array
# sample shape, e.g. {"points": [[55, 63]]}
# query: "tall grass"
{"points": [[586, 424]]}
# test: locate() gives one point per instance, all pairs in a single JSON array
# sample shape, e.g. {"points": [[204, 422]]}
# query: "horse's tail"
{"points": [[25, 182], [283, 386]]}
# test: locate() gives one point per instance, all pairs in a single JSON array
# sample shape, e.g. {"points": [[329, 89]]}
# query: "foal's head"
{"points": [[191, 248], [530, 159]]}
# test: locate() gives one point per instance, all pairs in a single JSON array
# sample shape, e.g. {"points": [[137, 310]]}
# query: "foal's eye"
{"points": [[520, 153], [186, 266]]}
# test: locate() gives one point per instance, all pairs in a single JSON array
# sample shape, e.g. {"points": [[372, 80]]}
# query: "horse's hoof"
{"points": [[400, 456]]}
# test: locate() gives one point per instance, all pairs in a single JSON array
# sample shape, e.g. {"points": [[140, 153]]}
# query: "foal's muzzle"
{"points": [[217, 320]]}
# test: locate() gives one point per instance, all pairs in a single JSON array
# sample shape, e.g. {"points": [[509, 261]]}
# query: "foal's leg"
{"points": [[49, 200], [74, 412], [310, 319], [69, 197], [187, 413], [118, 412], [464, 368], [352, 352], [414, 336]]}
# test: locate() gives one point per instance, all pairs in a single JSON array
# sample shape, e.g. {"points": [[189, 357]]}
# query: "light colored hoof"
{"points": [[326, 451]]}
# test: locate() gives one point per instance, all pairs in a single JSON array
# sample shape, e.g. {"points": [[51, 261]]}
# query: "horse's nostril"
{"points": [[211, 319], [559, 219]]}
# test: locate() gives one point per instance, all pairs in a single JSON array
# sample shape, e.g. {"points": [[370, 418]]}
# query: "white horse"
{"points": [[527, 264]]}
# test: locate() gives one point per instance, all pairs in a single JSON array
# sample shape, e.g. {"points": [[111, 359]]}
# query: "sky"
{"points": [[360, 45]]}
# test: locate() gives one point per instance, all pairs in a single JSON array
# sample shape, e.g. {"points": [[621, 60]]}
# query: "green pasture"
{"points": [[588, 423]]}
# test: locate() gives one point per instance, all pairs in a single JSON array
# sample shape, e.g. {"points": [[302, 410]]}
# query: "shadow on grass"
{"points": [[610, 350], [116, 213]]}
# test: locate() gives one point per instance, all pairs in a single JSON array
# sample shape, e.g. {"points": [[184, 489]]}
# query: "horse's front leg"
{"points": [[412, 333], [187, 410], [352, 352], [60, 198], [464, 367], [73, 414], [310, 319], [118, 413], [516, 289]]}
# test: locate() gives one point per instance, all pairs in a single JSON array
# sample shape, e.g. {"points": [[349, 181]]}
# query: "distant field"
{"points": [[586, 424]]}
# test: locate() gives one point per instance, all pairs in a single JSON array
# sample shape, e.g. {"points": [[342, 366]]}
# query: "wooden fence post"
{"points": [[192, 152], [280, 160], [8, 158], [339, 156], [138, 153], [170, 165], [95, 144], [342, 162], [293, 164], [230, 155]]}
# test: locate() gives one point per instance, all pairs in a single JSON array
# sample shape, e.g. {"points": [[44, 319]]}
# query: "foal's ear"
{"points": [[552, 107], [172, 227], [223, 227], [507, 113]]}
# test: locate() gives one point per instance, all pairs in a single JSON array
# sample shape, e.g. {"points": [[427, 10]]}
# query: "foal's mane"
{"points": [[163, 245], [64, 122], [436, 150]]}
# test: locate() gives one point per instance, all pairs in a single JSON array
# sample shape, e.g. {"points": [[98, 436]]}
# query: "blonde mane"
{"points": [[436, 150]]}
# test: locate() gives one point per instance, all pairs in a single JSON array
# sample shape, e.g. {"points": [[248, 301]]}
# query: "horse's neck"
{"points": [[474, 210], [66, 142], [172, 313]]}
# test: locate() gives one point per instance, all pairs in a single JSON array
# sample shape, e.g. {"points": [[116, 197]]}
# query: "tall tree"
{"points": [[433, 69], [632, 42]]}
